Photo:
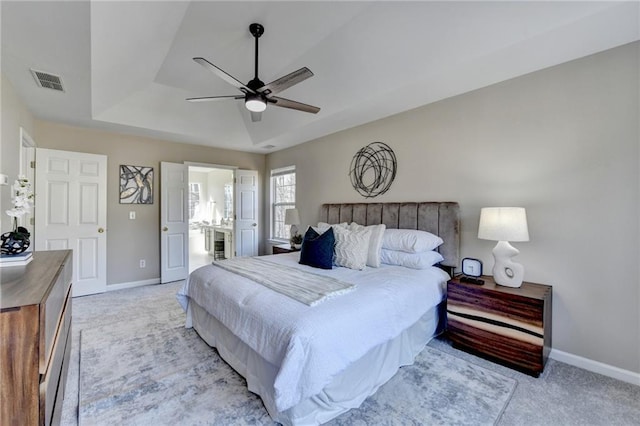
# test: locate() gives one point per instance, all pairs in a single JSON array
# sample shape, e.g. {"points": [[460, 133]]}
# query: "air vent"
{"points": [[269, 146], [49, 81]]}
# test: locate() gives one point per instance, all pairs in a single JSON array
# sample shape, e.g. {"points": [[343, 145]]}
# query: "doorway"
{"points": [[211, 214]]}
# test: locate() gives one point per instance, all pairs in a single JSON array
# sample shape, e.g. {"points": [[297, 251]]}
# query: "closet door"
{"points": [[71, 213]]}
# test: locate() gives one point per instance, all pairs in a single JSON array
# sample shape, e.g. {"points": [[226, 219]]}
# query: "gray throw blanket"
{"points": [[303, 286]]}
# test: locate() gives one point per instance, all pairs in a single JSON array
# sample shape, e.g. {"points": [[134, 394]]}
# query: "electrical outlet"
{"points": [[143, 263]]}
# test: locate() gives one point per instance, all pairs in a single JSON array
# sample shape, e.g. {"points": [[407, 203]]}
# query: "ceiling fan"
{"points": [[256, 94]]}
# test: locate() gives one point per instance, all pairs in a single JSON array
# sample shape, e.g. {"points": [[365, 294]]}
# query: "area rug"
{"points": [[142, 374]]}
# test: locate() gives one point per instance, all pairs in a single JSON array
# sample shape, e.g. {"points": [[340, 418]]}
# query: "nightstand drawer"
{"points": [[508, 325]]}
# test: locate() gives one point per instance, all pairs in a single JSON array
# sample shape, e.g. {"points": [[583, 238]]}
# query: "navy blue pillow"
{"points": [[317, 249]]}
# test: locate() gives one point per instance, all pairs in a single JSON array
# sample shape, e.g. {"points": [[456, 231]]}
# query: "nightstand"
{"points": [[283, 248], [511, 326]]}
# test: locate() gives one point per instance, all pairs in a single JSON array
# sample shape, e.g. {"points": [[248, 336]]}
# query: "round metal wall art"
{"points": [[373, 169]]}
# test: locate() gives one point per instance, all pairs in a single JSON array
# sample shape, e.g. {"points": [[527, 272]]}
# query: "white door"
{"points": [[174, 222], [71, 213], [247, 228]]}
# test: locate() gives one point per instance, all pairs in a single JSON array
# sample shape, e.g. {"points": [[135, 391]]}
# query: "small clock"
{"points": [[472, 269]]}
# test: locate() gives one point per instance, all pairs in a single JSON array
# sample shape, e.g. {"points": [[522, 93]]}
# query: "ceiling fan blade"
{"points": [[256, 116], [287, 103], [285, 82], [223, 75], [214, 98]]}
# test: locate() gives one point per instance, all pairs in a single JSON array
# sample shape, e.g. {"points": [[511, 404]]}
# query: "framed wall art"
{"points": [[373, 169], [136, 185]]}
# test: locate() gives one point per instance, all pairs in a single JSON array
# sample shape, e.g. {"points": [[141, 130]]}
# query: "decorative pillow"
{"points": [[352, 247], [410, 240], [422, 260], [375, 242], [317, 249]]}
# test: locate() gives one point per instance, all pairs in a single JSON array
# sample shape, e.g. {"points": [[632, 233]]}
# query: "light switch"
{"points": [[4, 179], [132, 215]]}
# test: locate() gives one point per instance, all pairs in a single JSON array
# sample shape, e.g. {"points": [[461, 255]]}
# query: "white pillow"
{"points": [[352, 247], [422, 260], [375, 242], [410, 240]]}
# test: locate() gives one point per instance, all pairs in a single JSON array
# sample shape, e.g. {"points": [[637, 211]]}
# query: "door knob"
{"points": [[100, 230], [165, 229], [254, 224]]}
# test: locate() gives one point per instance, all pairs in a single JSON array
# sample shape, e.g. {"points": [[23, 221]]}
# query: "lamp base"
{"points": [[506, 272]]}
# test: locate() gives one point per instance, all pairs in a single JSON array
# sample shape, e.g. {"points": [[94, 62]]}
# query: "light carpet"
{"points": [[137, 373]]}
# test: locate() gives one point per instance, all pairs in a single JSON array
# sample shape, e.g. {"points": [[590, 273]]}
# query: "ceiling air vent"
{"points": [[50, 81], [269, 146]]}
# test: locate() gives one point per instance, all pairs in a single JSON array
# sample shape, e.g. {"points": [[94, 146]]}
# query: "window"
{"points": [[194, 199], [283, 197], [228, 201]]}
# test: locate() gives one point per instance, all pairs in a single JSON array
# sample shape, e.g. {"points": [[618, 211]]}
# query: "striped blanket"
{"points": [[303, 286]]}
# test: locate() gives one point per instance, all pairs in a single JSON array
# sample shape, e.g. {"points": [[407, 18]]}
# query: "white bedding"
{"points": [[310, 345]]}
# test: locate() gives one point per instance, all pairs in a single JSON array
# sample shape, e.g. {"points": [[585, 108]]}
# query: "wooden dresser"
{"points": [[35, 338], [508, 325]]}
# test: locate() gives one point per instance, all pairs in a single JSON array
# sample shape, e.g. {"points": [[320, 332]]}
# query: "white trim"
{"points": [[132, 284], [283, 171], [596, 367]]}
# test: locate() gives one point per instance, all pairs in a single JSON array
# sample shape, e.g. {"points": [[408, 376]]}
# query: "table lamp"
{"points": [[504, 224], [292, 217]]}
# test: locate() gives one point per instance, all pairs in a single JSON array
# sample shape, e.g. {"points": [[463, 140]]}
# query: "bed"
{"points": [[309, 364]]}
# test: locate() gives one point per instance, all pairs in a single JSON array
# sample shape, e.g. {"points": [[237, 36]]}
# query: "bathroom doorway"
{"points": [[211, 216]]}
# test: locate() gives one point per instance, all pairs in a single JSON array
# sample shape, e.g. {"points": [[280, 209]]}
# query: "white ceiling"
{"points": [[127, 66]]}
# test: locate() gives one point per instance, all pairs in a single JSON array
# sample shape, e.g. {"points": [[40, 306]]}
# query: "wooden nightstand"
{"points": [[283, 248], [511, 326]]}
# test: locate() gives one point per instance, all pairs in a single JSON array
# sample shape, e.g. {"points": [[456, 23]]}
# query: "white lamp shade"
{"points": [[291, 217], [503, 224]]}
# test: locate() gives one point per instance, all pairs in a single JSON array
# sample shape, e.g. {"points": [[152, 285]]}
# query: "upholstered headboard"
{"points": [[440, 218]]}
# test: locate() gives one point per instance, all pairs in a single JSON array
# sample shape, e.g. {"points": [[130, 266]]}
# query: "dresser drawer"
{"points": [[51, 310], [52, 382]]}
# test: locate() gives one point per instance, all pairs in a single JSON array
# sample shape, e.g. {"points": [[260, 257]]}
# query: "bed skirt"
{"points": [[347, 389]]}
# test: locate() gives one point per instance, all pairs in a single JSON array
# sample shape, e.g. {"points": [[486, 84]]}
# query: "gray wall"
{"points": [[14, 115], [131, 240], [562, 142]]}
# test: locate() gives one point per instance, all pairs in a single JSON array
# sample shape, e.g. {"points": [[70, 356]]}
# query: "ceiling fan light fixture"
{"points": [[255, 103]]}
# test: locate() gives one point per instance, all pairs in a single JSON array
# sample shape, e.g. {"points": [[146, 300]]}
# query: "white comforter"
{"points": [[312, 344]]}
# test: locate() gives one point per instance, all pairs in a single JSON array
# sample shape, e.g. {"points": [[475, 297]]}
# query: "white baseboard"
{"points": [[596, 367], [132, 284]]}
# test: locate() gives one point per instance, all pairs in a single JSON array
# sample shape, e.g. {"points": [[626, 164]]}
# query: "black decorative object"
{"points": [[15, 242], [373, 169]]}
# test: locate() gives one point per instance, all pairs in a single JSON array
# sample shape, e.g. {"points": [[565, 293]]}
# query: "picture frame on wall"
{"points": [[136, 184]]}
